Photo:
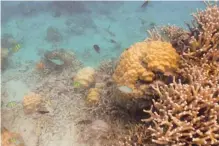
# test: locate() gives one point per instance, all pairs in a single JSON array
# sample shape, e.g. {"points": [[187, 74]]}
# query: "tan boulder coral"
{"points": [[31, 103], [85, 77], [140, 63], [11, 139]]}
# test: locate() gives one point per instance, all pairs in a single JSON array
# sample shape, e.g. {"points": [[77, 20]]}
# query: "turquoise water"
{"points": [[93, 23]]}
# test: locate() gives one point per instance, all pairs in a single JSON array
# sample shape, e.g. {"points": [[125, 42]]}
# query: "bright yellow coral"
{"points": [[93, 96], [85, 77], [139, 64]]}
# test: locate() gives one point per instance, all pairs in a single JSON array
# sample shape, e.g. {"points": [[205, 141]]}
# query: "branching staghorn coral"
{"points": [[202, 37], [205, 30], [177, 36], [187, 114]]}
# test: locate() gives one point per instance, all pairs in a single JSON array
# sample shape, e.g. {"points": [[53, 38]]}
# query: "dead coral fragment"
{"points": [[139, 65]]}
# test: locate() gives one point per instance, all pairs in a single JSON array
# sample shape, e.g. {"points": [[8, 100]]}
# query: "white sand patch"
{"points": [[16, 90], [66, 139]]}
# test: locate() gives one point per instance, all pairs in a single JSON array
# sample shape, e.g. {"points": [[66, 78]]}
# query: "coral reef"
{"points": [[31, 103], [140, 64], [187, 113], [85, 77]]}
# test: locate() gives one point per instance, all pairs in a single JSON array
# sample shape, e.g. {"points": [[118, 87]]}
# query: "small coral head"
{"points": [[40, 65]]}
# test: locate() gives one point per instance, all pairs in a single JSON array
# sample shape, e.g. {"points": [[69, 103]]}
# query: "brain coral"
{"points": [[139, 64]]}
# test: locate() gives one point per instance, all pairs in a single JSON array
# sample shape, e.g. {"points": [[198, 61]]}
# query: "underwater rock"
{"points": [[85, 77], [58, 60]]}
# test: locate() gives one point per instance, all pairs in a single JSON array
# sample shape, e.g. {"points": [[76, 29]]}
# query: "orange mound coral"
{"points": [[11, 139], [31, 103], [140, 63]]}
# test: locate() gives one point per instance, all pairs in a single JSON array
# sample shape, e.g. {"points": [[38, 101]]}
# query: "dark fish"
{"points": [[96, 48], [84, 122], [145, 4], [43, 112], [113, 41]]}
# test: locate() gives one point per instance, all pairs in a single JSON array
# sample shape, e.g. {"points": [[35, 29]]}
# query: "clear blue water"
{"points": [[93, 23]]}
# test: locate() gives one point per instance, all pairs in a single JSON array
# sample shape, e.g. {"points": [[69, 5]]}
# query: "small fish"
{"points": [[96, 48], [113, 41], [76, 84], [145, 4], [125, 89], [42, 112], [11, 104], [84, 122], [16, 48]]}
